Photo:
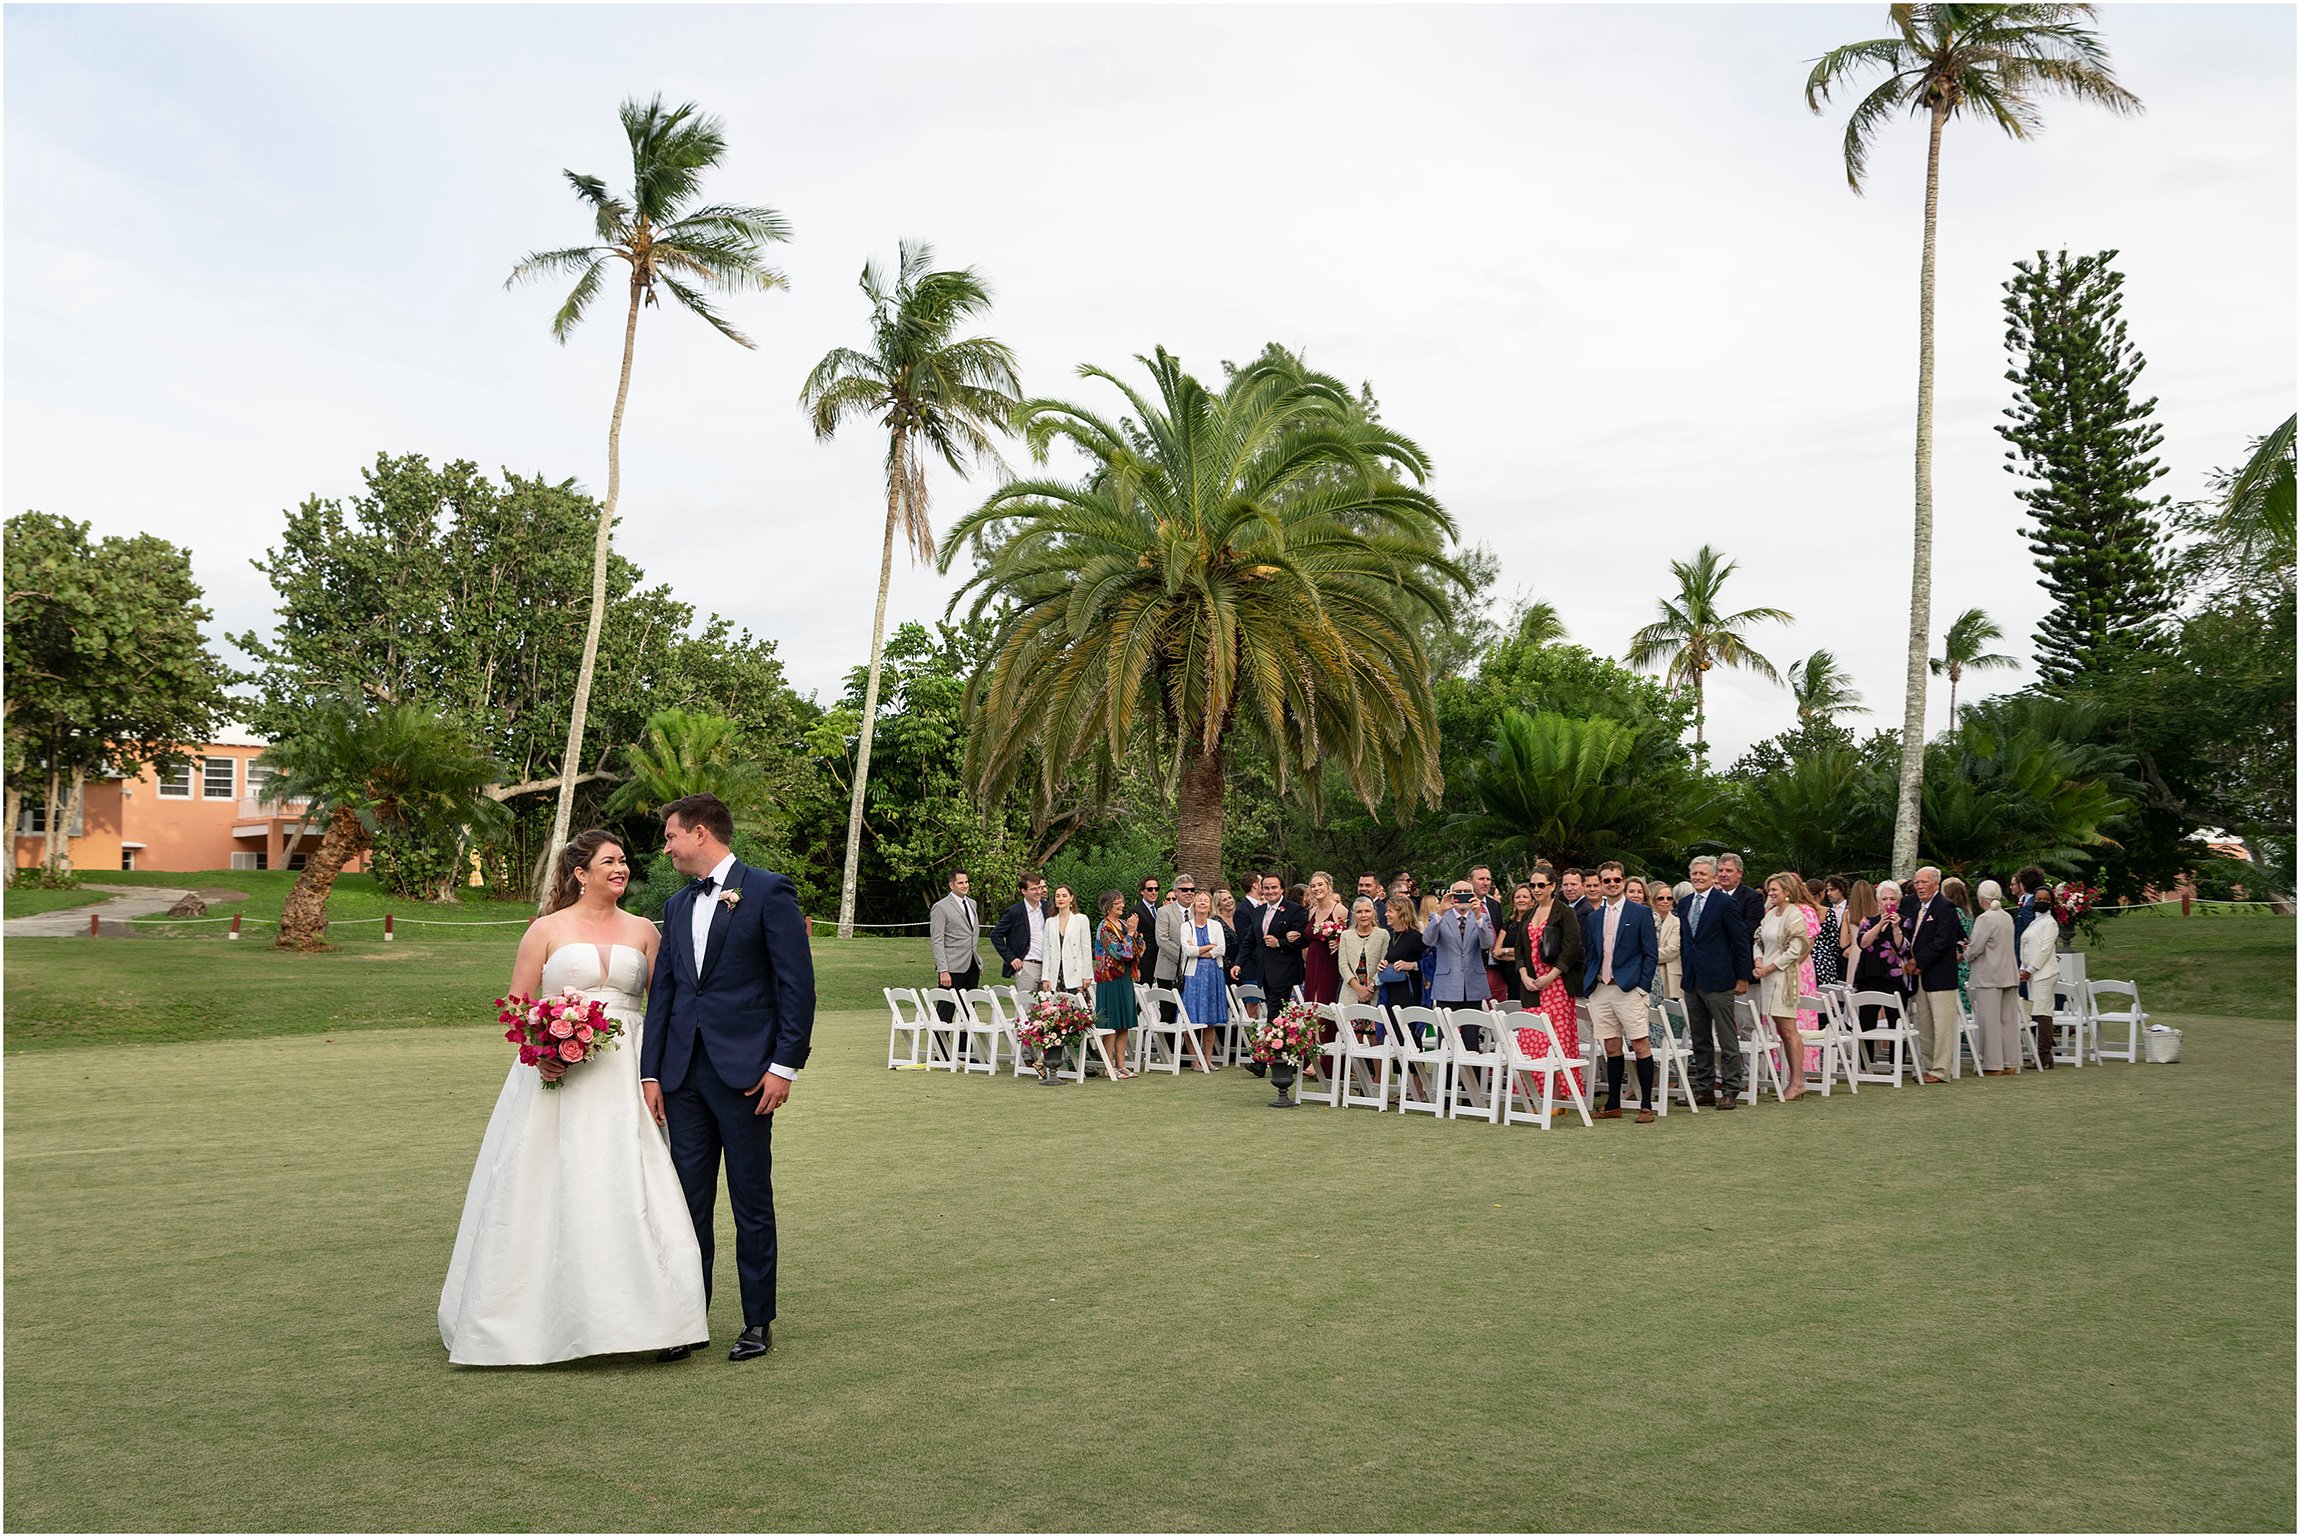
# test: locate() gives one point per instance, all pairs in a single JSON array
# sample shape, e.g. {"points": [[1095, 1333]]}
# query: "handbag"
{"points": [[1552, 944]]}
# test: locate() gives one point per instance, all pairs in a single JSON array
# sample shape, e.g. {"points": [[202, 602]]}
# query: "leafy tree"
{"points": [[365, 769], [687, 752], [1946, 61], [2083, 444], [1245, 561], [1822, 809], [105, 666], [935, 393], [1964, 648], [1565, 789], [1694, 634], [1822, 690], [669, 244]]}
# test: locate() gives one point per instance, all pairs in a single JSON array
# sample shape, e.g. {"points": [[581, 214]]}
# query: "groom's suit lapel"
{"points": [[714, 939], [684, 918]]}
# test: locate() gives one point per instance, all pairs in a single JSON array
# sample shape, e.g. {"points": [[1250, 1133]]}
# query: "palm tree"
{"points": [[1944, 61], [1965, 649], [669, 244], [934, 393], [689, 753], [1693, 634], [1822, 690], [395, 765], [1245, 560], [1539, 624], [1553, 786]]}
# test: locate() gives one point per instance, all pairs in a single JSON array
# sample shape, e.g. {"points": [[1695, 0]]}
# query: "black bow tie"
{"points": [[706, 884]]}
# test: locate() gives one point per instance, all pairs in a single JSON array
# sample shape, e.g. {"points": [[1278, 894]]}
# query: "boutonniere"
{"points": [[731, 898]]}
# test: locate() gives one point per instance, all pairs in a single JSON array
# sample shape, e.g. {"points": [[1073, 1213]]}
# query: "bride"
{"points": [[575, 1239]]}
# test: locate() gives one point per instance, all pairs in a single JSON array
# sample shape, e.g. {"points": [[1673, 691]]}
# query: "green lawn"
{"points": [[2048, 1303], [30, 901], [357, 904], [2231, 962]]}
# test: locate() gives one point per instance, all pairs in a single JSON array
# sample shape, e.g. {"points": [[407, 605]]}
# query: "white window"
{"points": [[127, 859], [35, 820], [246, 861], [218, 781], [259, 780], [176, 783]]}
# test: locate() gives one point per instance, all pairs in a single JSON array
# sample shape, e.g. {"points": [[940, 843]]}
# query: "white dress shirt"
{"points": [[1036, 954], [699, 928]]}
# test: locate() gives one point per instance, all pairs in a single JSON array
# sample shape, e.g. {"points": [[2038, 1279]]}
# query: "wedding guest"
{"points": [[1730, 875], [1403, 988], [1205, 995], [1961, 898], [1321, 974], [1145, 915], [1554, 953], [1457, 940], [1115, 941], [1782, 944], [1617, 976], [1808, 902], [1509, 948], [1246, 939], [1364, 950], [1718, 969], [1069, 946], [1020, 937], [1669, 936], [1370, 887], [1829, 943], [1930, 924], [2037, 934], [1173, 918], [1571, 890], [1497, 914], [956, 937], [1226, 913], [1992, 960], [1285, 933], [1634, 890]]}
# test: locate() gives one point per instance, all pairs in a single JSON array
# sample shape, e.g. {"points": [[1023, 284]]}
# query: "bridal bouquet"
{"points": [[1054, 1024], [1292, 1035], [566, 1027]]}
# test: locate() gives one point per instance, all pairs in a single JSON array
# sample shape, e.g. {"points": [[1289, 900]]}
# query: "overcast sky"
{"points": [[1600, 261]]}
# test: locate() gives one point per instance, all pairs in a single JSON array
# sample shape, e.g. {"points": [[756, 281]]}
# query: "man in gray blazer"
{"points": [[1459, 936], [953, 930], [1172, 919]]}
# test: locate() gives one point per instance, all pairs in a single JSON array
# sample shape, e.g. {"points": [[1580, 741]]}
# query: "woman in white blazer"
{"points": [[1992, 956], [1070, 947], [2039, 953]]}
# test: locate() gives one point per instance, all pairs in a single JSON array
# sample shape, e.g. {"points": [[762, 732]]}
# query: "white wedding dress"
{"points": [[575, 1239]]}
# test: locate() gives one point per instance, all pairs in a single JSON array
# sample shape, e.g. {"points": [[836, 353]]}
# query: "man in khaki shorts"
{"points": [[1623, 951]]}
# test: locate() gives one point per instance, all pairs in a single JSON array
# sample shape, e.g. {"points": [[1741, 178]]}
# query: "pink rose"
{"points": [[570, 1051], [561, 1029], [584, 1033]]}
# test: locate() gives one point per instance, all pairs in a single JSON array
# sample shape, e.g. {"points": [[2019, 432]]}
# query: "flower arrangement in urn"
{"points": [[1050, 1027], [1285, 1041], [565, 1027], [2072, 909]]}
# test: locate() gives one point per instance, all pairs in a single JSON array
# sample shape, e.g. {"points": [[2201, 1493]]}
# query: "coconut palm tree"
{"points": [[395, 765], [1946, 61], [1965, 649], [1822, 690], [1694, 634], [1246, 560], [935, 393], [1539, 624], [670, 242]]}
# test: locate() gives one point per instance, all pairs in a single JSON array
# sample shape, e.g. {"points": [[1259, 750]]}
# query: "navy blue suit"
{"points": [[1715, 954], [1636, 949], [715, 1024]]}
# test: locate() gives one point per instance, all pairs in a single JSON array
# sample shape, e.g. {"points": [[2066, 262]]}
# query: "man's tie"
{"points": [[1693, 919]]}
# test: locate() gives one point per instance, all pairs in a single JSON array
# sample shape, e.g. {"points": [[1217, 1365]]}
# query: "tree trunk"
{"points": [[894, 485], [1700, 717], [1952, 701], [73, 806], [303, 920], [48, 833], [1921, 566], [1198, 815], [15, 797], [572, 761]]}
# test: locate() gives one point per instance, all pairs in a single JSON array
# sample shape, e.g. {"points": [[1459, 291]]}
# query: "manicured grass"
{"points": [[355, 905], [2051, 1302], [2228, 962], [111, 992], [30, 901]]}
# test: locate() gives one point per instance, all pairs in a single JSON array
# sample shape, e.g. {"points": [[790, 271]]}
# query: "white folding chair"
{"points": [[1368, 1057], [1477, 1074], [1968, 1043], [1761, 1054], [909, 1019], [1892, 1030], [2071, 1012], [2130, 1021], [1325, 1066], [1245, 1009], [1530, 1078], [945, 1038], [1422, 1060], [1163, 1043], [986, 1030], [1666, 1027], [1828, 1038], [2070, 964]]}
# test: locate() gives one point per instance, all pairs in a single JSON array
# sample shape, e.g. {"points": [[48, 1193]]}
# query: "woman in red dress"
{"points": [[1321, 972], [1553, 951]]}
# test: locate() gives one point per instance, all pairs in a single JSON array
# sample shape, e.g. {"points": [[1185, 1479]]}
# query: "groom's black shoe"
{"points": [[680, 1352], [753, 1342]]}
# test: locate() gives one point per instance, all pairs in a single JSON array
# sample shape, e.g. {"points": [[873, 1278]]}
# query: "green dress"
{"points": [[1964, 967], [1113, 978]]}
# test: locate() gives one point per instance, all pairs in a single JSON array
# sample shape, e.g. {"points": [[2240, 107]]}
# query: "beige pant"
{"points": [[1936, 1030], [1613, 1012], [1996, 1011], [1026, 978]]}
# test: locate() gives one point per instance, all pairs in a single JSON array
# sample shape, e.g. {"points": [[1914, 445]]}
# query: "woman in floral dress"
{"points": [[1553, 951], [1114, 948]]}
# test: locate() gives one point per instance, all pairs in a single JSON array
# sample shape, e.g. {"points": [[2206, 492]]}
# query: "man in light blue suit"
{"points": [[1623, 951], [1458, 937]]}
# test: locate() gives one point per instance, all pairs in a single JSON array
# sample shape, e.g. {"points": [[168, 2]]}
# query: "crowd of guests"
{"points": [[1561, 939]]}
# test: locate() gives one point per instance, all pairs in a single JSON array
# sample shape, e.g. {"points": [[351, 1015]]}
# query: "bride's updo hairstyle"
{"points": [[577, 855]]}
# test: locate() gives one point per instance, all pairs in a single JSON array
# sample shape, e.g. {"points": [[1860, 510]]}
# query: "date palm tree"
{"points": [[1965, 648], [1245, 560], [1822, 690], [1694, 634], [934, 393], [670, 242], [395, 765], [1942, 62]]}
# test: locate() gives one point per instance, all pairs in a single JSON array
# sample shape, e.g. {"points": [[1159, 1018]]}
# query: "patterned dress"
{"points": [[1114, 977], [1829, 950], [1555, 1004]]}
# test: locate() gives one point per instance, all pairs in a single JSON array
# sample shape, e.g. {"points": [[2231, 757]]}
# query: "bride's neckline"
{"points": [[604, 952]]}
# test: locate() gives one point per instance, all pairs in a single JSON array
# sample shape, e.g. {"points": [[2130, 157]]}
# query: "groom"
{"points": [[729, 1020]]}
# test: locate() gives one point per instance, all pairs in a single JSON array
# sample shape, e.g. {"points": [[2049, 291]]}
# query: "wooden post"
{"points": [[2184, 896], [95, 930], [387, 928], [235, 933]]}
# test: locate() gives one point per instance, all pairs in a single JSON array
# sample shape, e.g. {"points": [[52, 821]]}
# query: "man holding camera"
{"points": [[1458, 938]]}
